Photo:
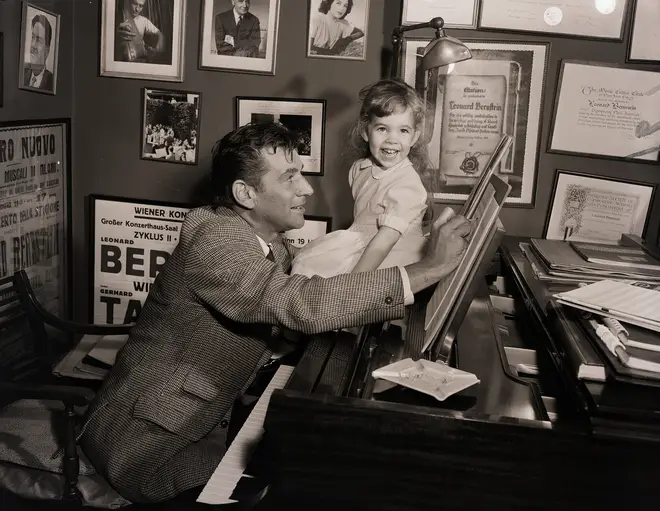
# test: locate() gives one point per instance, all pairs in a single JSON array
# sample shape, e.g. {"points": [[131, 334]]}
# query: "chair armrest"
{"points": [[69, 395]]}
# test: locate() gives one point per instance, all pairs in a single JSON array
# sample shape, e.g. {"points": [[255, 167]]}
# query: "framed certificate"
{"points": [[606, 110], [471, 105], [644, 43], [600, 19], [596, 208], [461, 14]]}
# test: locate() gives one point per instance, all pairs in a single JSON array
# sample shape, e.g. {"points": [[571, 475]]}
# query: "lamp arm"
{"points": [[397, 40]]}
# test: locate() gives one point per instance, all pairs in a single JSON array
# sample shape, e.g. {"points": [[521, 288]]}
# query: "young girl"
{"points": [[389, 196], [330, 33]]}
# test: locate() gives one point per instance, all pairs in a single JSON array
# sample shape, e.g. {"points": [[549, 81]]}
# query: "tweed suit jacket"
{"points": [[247, 38], [207, 326]]}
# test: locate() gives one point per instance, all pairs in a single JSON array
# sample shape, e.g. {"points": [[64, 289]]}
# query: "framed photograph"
{"points": [[461, 14], [170, 125], [644, 42], [39, 49], [35, 202], [315, 227], [306, 116], [2, 67], [606, 110], [599, 19], [337, 29], [239, 36], [595, 208], [143, 39], [121, 274], [470, 106]]}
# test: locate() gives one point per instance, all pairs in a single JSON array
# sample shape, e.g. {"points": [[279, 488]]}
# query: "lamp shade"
{"points": [[444, 50]]}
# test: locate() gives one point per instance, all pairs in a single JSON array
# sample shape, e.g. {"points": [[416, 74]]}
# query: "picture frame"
{"points": [[644, 40], [118, 287], [307, 116], [594, 208], [607, 111], [2, 69], [35, 200], [39, 49], [464, 14], [171, 121], [347, 40], [578, 19], [315, 226], [218, 48], [142, 44], [470, 105]]}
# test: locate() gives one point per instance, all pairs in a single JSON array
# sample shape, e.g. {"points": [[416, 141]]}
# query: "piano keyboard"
{"points": [[222, 483]]}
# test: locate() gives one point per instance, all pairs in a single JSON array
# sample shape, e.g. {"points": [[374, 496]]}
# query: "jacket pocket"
{"points": [[192, 410]]}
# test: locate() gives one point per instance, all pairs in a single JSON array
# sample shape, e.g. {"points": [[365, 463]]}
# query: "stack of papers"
{"points": [[92, 357]]}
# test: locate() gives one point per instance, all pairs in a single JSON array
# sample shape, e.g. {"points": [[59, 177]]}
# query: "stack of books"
{"points": [[562, 262]]}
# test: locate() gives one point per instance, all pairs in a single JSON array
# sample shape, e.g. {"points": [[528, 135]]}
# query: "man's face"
{"points": [[137, 6], [283, 192], [241, 6], [38, 47]]}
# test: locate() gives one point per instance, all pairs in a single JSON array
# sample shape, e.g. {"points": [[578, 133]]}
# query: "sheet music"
{"points": [[222, 483], [637, 303]]}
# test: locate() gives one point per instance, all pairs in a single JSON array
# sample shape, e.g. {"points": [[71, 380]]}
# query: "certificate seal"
{"points": [[553, 16]]}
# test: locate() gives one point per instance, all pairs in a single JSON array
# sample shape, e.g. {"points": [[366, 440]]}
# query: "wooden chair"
{"points": [[39, 456]]}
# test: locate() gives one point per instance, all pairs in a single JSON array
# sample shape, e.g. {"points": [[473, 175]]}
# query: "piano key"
{"points": [[222, 484]]}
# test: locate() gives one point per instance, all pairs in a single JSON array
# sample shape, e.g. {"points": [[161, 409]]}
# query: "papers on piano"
{"points": [[222, 483], [432, 378], [638, 304]]}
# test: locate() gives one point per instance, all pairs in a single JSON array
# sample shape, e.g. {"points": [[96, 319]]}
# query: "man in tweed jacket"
{"points": [[158, 424]]}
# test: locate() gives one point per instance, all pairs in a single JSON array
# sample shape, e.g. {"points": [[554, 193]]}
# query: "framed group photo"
{"points": [[305, 116], [463, 14], [314, 227], [644, 42], [471, 104], [39, 49], [239, 36], [170, 126], [599, 209], [143, 40], [337, 29], [590, 19], [606, 110]]}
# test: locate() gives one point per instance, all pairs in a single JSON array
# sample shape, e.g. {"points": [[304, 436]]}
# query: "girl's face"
{"points": [[391, 137], [338, 8]]}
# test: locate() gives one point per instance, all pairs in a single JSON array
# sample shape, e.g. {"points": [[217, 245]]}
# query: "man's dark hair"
{"points": [[325, 7], [238, 155], [40, 18]]}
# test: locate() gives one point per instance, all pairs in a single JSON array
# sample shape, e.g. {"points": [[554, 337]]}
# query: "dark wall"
{"points": [[107, 112], [20, 104]]}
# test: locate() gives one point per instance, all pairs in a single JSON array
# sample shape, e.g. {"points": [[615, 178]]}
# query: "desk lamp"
{"points": [[441, 51]]}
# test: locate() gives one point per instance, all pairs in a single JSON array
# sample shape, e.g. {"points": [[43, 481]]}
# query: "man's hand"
{"points": [[125, 32], [445, 248]]}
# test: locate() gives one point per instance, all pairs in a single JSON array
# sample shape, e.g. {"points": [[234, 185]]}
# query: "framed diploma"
{"points": [[596, 208], [606, 110], [644, 44], [470, 106], [461, 14], [600, 19]]}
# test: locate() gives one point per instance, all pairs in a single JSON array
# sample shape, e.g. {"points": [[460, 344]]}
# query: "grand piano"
{"points": [[530, 435]]}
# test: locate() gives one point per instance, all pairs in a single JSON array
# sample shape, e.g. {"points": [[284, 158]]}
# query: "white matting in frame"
{"points": [[337, 29], [252, 49], [462, 14], [144, 42], [306, 116], [39, 50], [645, 37], [471, 104], [596, 208], [607, 110], [314, 227], [601, 19]]}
